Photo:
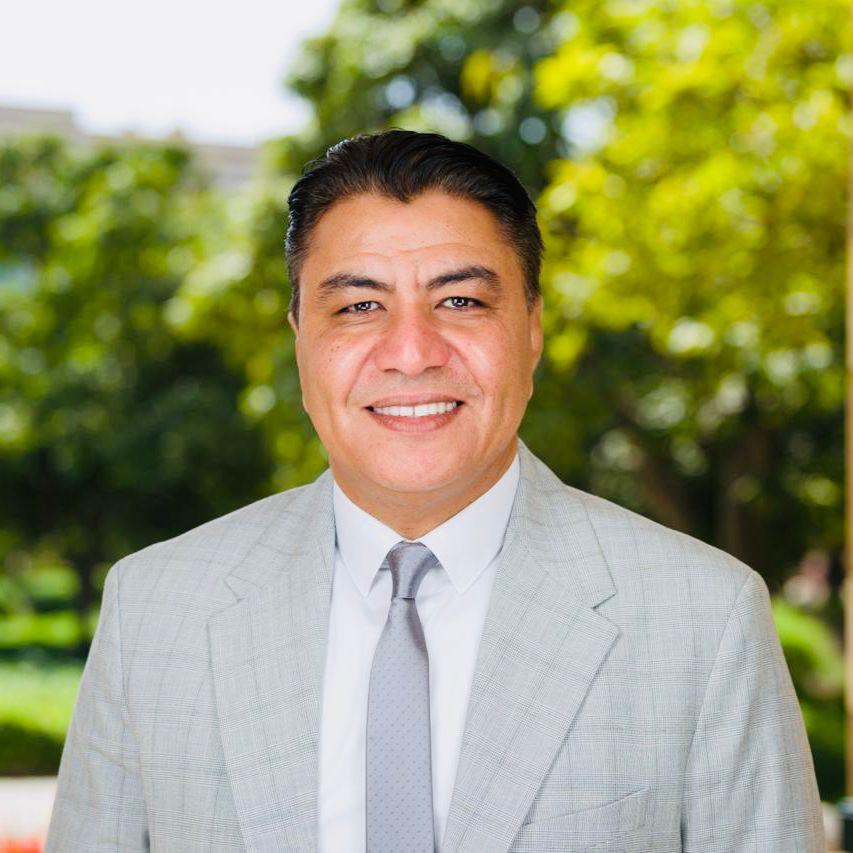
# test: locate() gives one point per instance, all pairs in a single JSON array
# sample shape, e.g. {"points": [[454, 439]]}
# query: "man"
{"points": [[436, 644]]}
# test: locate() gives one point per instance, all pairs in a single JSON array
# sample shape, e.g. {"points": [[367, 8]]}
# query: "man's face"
{"points": [[378, 328]]}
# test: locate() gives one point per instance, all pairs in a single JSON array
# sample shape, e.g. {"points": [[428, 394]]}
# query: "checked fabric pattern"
{"points": [[631, 692], [399, 766]]}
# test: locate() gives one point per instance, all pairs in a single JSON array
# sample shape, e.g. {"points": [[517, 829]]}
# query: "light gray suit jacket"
{"points": [[630, 692]]}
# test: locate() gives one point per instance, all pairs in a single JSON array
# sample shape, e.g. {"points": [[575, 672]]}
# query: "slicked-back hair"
{"points": [[403, 164]]}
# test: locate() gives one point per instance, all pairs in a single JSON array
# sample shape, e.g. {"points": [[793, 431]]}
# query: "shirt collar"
{"points": [[464, 544]]}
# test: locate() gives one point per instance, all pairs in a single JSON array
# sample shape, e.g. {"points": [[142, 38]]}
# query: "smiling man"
{"points": [[436, 645], [416, 341]]}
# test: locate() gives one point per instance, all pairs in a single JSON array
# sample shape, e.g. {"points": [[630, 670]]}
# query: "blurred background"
{"points": [[689, 161]]}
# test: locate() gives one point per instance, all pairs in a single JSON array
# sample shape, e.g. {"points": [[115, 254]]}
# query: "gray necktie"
{"points": [[399, 767]]}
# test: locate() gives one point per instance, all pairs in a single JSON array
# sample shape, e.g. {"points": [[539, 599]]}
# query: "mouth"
{"points": [[420, 410], [416, 418]]}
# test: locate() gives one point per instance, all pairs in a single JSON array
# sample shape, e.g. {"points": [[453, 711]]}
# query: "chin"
{"points": [[418, 475]]}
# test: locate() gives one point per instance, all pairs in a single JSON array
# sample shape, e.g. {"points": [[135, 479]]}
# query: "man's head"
{"points": [[414, 263]]}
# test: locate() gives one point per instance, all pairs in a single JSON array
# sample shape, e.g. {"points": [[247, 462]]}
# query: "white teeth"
{"points": [[417, 411]]}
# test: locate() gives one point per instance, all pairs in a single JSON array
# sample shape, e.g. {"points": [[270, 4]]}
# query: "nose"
{"points": [[411, 342]]}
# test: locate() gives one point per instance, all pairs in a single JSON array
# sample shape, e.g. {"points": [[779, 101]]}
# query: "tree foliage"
{"points": [[111, 428], [696, 263]]}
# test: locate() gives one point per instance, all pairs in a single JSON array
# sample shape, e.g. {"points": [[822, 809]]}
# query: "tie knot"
{"points": [[409, 562]]}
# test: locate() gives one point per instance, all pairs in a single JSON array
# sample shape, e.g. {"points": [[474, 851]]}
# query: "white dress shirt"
{"points": [[452, 601]]}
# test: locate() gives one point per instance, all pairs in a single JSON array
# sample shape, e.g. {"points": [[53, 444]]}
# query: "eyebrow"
{"points": [[339, 281]]}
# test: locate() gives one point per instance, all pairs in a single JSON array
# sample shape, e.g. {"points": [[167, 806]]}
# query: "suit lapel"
{"points": [[268, 655], [541, 649]]}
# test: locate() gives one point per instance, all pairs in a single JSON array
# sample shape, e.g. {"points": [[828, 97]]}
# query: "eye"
{"points": [[471, 302], [357, 307]]}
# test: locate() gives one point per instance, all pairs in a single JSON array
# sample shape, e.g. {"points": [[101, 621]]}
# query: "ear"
{"points": [[537, 336], [292, 321]]}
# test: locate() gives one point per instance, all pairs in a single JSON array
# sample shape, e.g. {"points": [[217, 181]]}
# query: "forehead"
{"points": [[433, 229]]}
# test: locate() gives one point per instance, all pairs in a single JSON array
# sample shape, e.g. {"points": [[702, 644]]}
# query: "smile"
{"points": [[420, 411], [421, 418]]}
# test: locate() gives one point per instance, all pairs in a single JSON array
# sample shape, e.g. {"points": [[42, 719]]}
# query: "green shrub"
{"points": [[816, 663], [36, 704], [25, 751]]}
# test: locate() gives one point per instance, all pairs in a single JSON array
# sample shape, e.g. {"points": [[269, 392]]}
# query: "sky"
{"points": [[211, 70]]}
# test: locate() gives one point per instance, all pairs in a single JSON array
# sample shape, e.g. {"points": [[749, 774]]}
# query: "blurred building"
{"points": [[229, 166]]}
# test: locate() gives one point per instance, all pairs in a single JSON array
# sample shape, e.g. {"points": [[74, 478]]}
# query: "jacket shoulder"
{"points": [[199, 558], [660, 562]]}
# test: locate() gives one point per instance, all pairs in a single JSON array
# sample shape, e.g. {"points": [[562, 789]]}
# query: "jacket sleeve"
{"points": [[99, 804], [750, 782]]}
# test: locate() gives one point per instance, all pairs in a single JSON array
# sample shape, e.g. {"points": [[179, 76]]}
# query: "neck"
{"points": [[414, 514]]}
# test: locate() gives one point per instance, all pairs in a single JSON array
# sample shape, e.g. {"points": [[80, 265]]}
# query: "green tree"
{"points": [[695, 275], [464, 69], [113, 432]]}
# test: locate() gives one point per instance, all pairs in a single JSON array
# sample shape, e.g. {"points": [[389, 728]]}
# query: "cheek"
{"points": [[334, 371], [490, 362]]}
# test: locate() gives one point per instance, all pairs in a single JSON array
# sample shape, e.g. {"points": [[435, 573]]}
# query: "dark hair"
{"points": [[402, 164]]}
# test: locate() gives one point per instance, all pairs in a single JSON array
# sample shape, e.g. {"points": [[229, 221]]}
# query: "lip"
{"points": [[426, 423], [413, 400]]}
